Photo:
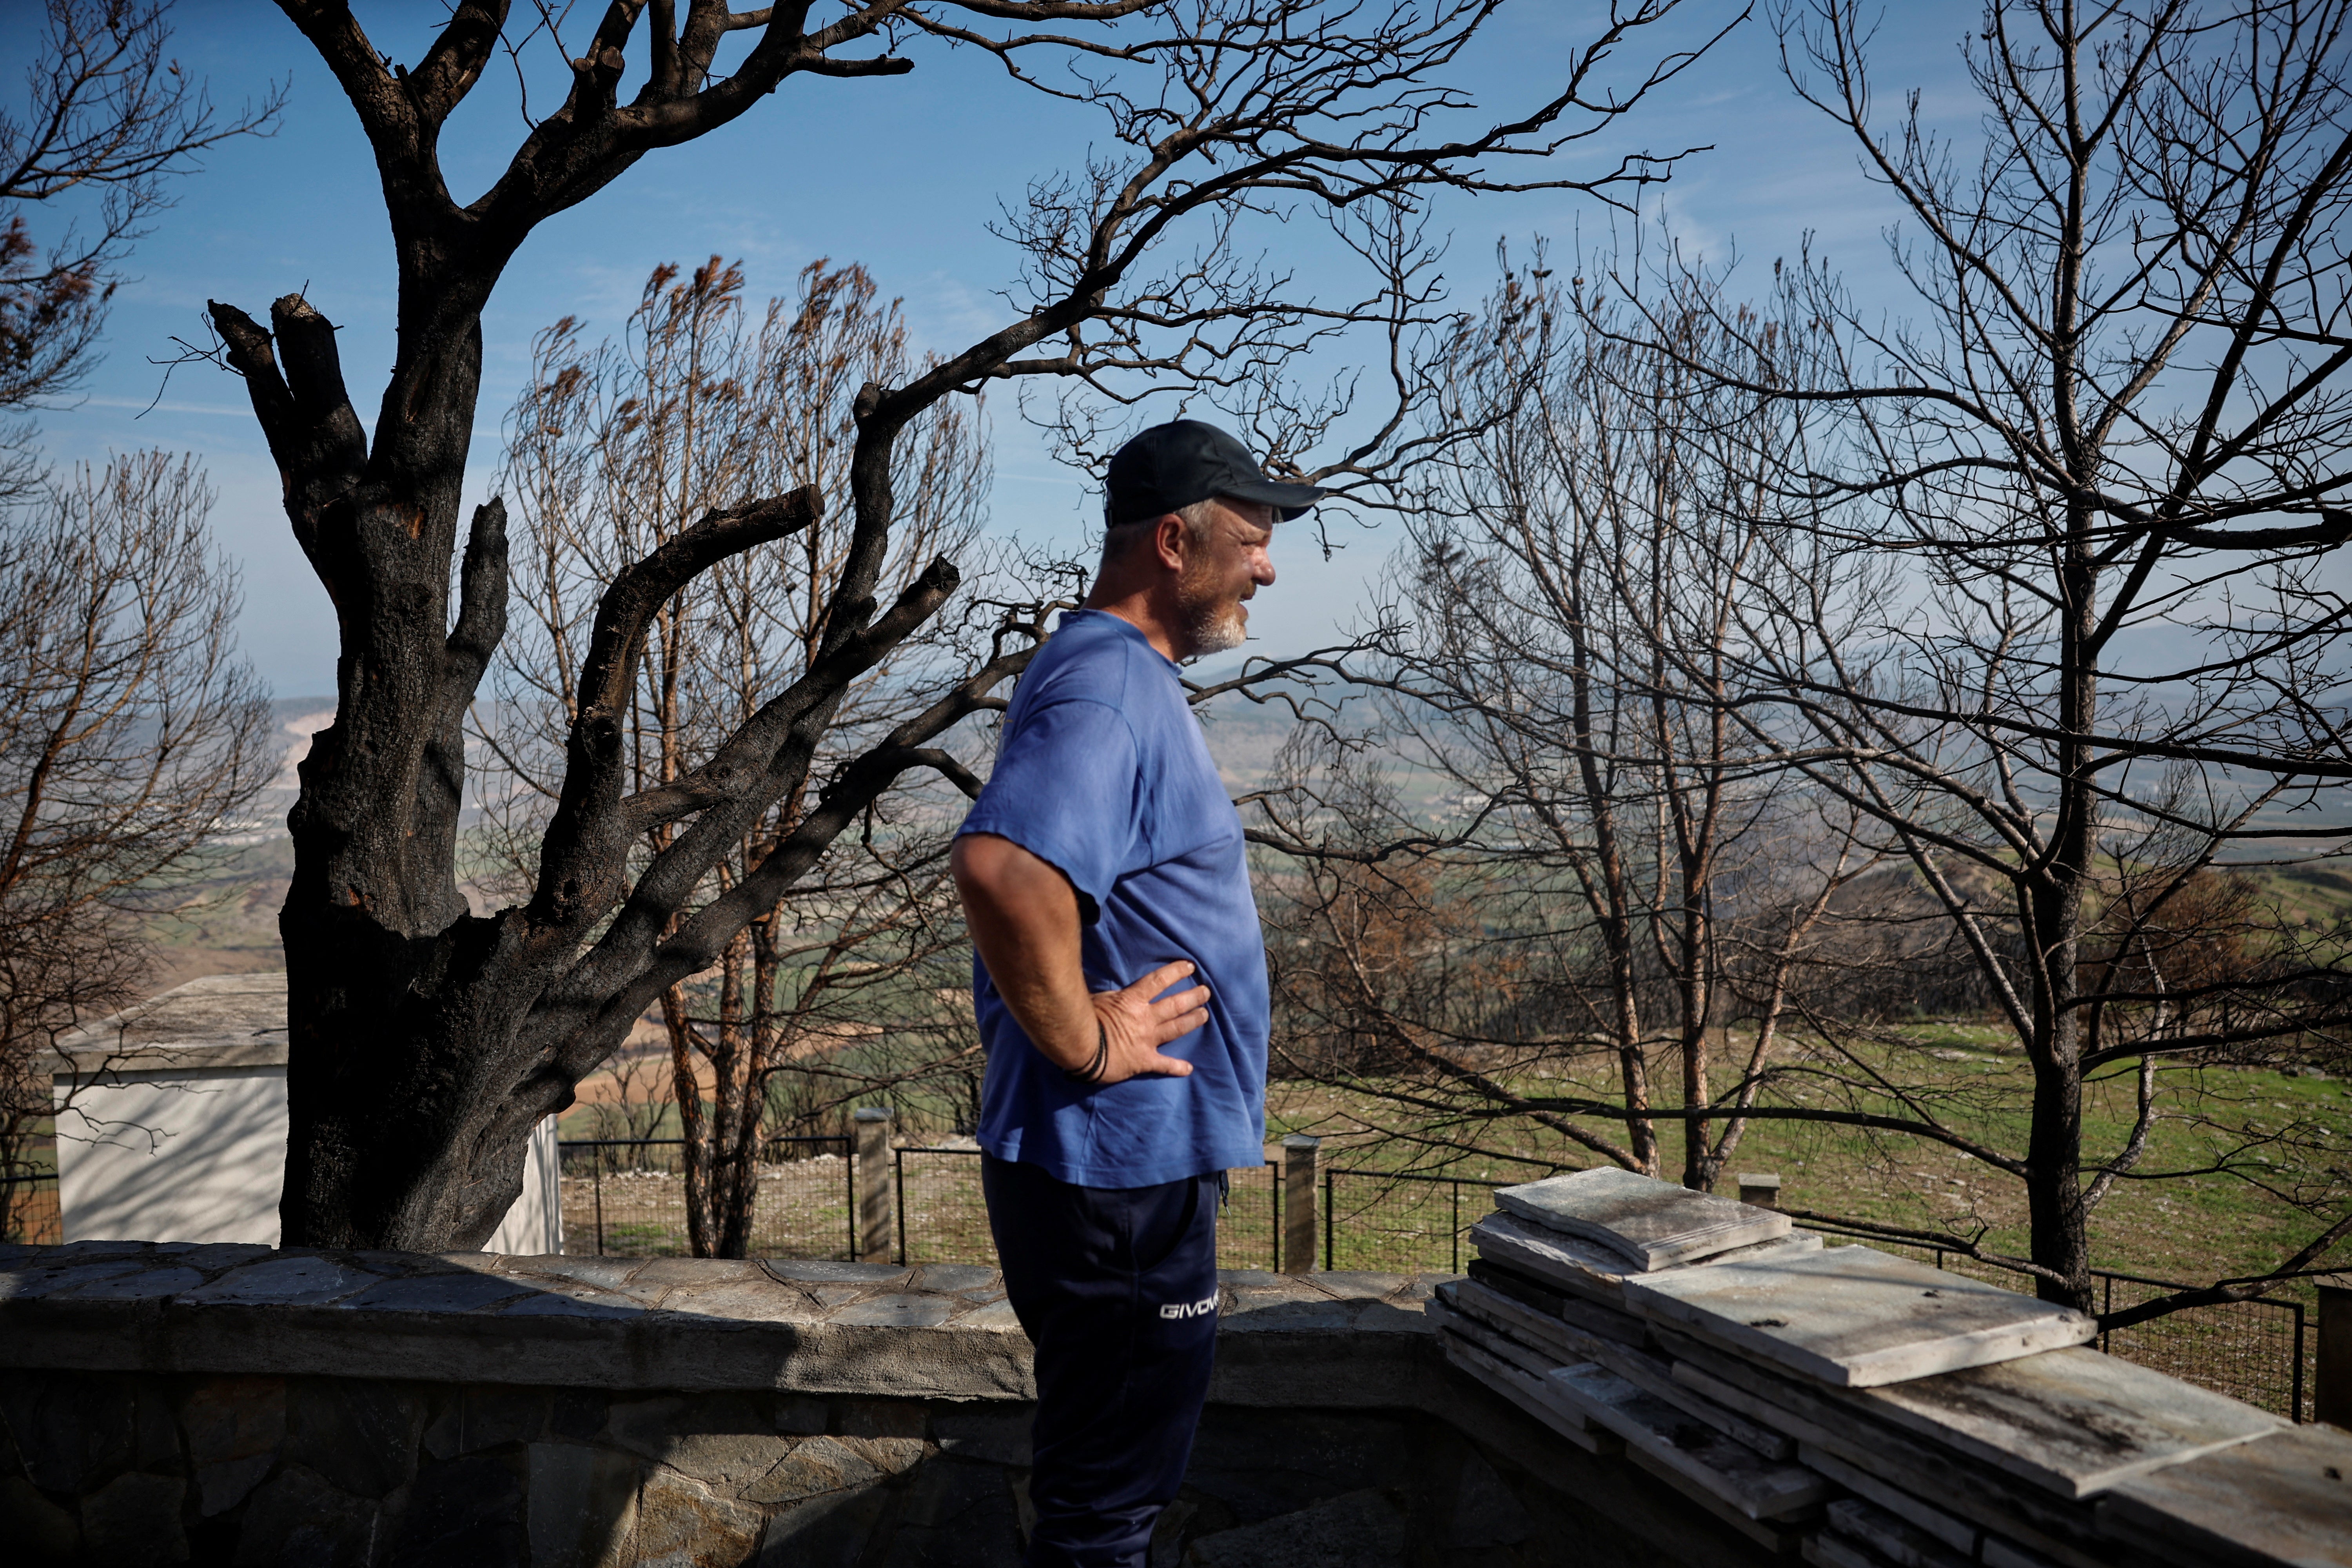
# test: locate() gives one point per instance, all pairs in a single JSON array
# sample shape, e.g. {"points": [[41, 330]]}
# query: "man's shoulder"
{"points": [[1094, 656]]}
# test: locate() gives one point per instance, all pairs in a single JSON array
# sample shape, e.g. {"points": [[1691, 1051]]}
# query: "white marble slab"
{"points": [[1758, 1487], [1854, 1318], [2286, 1499], [1650, 1224], [1587, 1268]]}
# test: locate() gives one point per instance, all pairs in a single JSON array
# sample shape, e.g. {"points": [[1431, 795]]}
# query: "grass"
{"points": [[2189, 1228]]}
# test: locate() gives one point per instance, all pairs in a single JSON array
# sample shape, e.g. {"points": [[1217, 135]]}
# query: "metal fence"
{"points": [[29, 1210], [942, 1217], [629, 1196], [1409, 1224]]}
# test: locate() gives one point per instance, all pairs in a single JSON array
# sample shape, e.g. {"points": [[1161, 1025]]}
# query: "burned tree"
{"points": [[614, 449], [425, 1040], [2099, 479], [1624, 877]]}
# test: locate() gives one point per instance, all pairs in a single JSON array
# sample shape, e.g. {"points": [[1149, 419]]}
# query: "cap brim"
{"points": [[1291, 500]]}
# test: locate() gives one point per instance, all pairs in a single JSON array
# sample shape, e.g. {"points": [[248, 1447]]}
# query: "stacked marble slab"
{"points": [[1863, 1410]]}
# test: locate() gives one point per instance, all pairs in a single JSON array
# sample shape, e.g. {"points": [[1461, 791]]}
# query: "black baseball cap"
{"points": [[1171, 466]]}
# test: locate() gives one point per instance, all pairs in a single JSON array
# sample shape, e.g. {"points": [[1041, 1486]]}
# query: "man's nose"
{"points": [[1262, 570]]}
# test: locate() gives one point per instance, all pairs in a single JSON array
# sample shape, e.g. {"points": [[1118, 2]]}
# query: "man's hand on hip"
{"points": [[1136, 1026], [1024, 918]]}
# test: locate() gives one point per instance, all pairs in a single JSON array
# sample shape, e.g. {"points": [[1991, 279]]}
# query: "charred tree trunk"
{"points": [[426, 1042]]}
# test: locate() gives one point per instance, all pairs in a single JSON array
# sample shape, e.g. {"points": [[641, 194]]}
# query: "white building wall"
{"points": [[199, 1154], [535, 1224], [193, 1155]]}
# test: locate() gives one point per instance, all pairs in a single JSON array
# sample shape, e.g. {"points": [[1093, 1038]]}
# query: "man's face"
{"points": [[1221, 571]]}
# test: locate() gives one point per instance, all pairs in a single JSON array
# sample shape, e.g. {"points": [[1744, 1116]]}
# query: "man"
{"points": [[1121, 991]]}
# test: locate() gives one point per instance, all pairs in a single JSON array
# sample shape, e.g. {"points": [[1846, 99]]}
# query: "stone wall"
{"points": [[235, 1404]]}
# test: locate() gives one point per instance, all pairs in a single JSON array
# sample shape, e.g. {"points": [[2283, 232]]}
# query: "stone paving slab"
{"points": [[1566, 1343], [1832, 1422], [292, 1280], [1854, 1318], [1529, 1394], [1904, 1544], [2072, 1420], [133, 1285], [1591, 1270], [2285, 1499], [1778, 1537], [942, 1330], [1758, 1487], [1654, 1375], [1501, 1346], [1585, 1316], [1650, 1373], [1841, 1552], [438, 1293], [1920, 1515], [65, 1277], [1649, 1223], [1999, 1553]]}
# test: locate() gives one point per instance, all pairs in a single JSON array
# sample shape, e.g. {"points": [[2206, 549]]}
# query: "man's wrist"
{"points": [[1092, 1073]]}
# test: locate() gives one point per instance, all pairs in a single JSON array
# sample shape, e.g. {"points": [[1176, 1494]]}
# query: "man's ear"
{"points": [[1167, 542]]}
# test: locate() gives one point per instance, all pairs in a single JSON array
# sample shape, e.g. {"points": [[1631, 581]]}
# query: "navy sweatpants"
{"points": [[1116, 1289]]}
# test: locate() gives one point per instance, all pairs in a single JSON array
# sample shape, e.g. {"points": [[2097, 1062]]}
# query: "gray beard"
{"points": [[1216, 628], [1212, 625]]}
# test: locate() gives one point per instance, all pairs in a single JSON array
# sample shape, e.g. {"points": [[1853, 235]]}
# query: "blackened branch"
{"points": [[481, 600], [585, 856]]}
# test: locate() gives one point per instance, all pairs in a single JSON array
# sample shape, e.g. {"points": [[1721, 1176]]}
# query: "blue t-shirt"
{"points": [[1102, 773]]}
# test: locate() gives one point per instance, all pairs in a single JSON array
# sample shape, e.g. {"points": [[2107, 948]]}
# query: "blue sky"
{"points": [[900, 173]]}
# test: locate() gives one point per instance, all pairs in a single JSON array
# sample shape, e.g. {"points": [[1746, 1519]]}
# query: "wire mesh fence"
{"points": [[28, 1211], [2253, 1351], [943, 1218], [1392, 1221], [625, 1197]]}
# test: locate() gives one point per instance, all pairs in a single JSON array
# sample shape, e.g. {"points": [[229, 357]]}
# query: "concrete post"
{"points": [[1760, 1189], [2331, 1391], [875, 1183], [1300, 1240]]}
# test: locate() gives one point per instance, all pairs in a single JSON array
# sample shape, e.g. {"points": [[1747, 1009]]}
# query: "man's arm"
{"points": [[1024, 918]]}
